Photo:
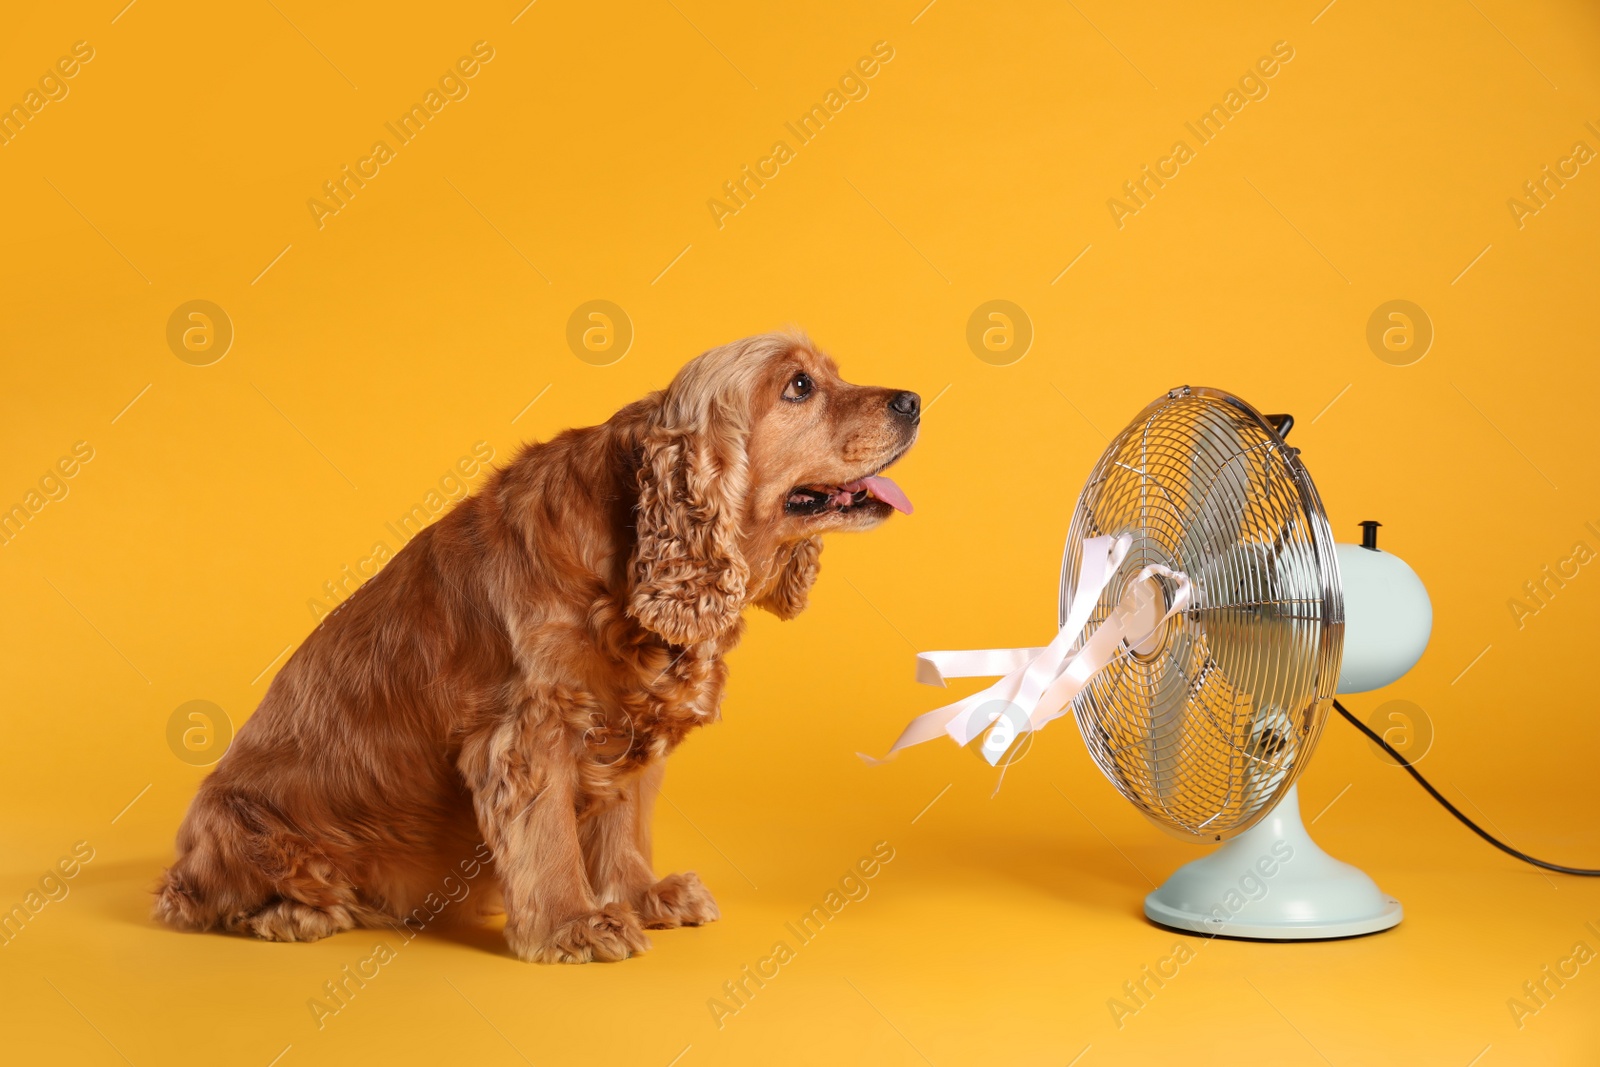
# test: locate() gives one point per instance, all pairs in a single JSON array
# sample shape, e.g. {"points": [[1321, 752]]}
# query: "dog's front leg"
{"points": [[523, 780], [616, 850]]}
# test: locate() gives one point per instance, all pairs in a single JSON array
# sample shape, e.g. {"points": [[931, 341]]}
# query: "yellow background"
{"points": [[417, 321]]}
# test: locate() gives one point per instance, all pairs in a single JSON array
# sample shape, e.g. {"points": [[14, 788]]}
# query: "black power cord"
{"points": [[1451, 808]]}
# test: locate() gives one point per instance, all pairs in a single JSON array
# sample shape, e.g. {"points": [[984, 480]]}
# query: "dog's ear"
{"points": [[788, 594], [689, 575]]}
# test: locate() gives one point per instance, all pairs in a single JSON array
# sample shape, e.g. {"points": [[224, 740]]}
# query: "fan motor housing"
{"points": [[1387, 618]]}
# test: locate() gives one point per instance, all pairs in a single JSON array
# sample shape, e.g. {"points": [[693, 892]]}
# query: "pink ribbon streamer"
{"points": [[1041, 683]]}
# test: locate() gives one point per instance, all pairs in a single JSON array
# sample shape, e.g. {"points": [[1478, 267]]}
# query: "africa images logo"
{"points": [[452, 85], [1252, 85], [52, 87], [852, 85]]}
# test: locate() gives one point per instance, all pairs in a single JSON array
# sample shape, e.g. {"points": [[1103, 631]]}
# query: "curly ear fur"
{"points": [[788, 594], [689, 576]]}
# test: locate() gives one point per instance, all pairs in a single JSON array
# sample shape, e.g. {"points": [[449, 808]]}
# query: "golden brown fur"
{"points": [[517, 674]]}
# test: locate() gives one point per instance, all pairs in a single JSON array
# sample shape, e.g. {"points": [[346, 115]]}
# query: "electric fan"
{"points": [[1207, 619]]}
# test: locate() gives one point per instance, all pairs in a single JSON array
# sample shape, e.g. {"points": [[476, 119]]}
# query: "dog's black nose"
{"points": [[908, 405]]}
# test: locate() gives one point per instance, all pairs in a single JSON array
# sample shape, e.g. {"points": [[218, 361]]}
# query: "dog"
{"points": [[510, 684]]}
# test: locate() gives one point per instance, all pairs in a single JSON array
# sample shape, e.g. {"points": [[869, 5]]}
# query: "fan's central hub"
{"points": [[1146, 628]]}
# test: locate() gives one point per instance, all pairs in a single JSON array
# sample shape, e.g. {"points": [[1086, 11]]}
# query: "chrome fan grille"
{"points": [[1207, 725]]}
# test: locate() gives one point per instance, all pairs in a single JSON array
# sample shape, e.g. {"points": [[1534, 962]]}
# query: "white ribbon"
{"points": [[1041, 683]]}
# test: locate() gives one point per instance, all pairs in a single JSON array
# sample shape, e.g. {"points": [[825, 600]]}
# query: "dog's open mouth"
{"points": [[869, 492]]}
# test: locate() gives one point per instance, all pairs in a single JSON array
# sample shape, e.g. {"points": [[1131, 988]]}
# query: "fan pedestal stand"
{"points": [[1273, 882]]}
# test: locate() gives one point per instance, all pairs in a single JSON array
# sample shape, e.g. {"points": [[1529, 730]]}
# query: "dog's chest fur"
{"points": [[649, 707]]}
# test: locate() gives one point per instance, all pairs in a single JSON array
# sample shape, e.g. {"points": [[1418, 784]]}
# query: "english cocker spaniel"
{"points": [[508, 687]]}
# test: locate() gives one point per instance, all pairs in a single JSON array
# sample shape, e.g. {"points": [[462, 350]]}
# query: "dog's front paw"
{"points": [[609, 934], [678, 900]]}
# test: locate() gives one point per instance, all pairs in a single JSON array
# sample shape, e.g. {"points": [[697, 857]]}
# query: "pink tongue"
{"points": [[885, 490]]}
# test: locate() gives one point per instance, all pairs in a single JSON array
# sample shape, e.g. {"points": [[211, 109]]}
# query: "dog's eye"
{"points": [[799, 387]]}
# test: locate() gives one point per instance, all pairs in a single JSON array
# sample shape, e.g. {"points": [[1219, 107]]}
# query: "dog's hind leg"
{"points": [[290, 920], [241, 870], [313, 897], [213, 883]]}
